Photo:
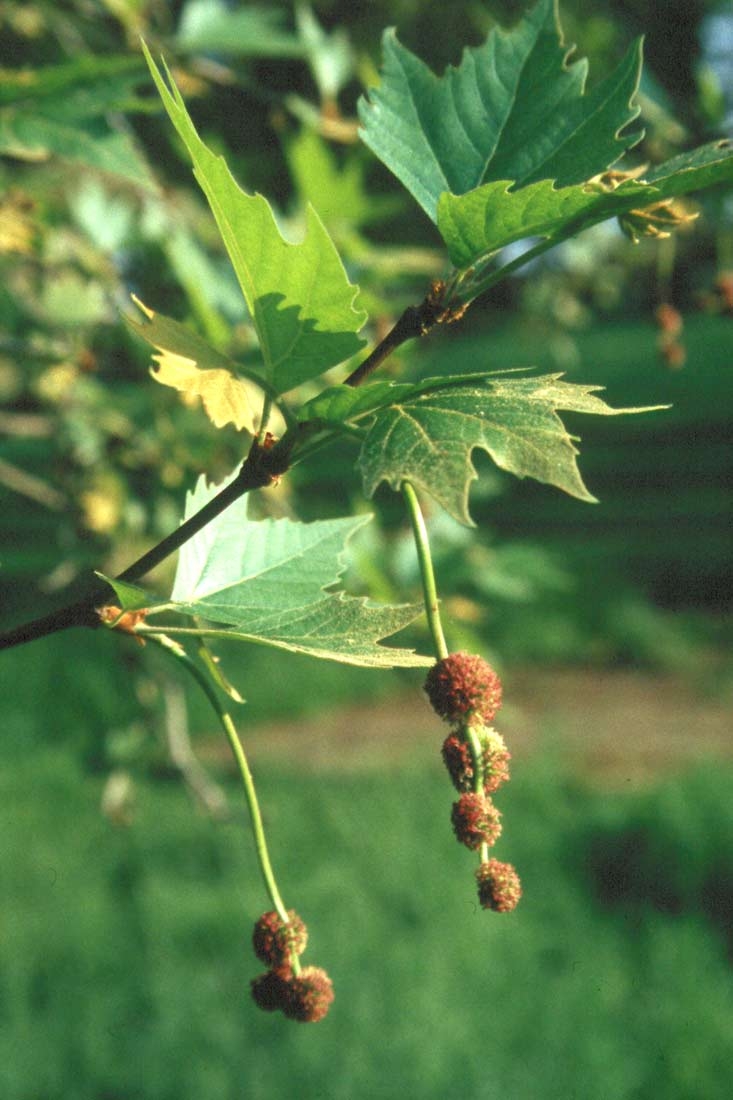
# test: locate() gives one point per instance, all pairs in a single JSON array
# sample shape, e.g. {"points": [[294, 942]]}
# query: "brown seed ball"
{"points": [[496, 769], [309, 995], [274, 941], [476, 820], [499, 887], [270, 990], [669, 319], [458, 761], [463, 686]]}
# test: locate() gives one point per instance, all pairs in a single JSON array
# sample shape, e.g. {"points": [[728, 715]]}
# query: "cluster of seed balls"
{"points": [[465, 691], [305, 996]]}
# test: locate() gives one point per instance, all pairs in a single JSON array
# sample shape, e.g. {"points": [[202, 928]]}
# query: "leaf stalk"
{"points": [[425, 561]]}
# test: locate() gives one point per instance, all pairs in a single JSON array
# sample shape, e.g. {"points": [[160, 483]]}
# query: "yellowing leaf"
{"points": [[16, 226], [187, 363], [226, 399]]}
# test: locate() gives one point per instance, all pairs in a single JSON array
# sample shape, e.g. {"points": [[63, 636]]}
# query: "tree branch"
{"points": [[415, 321], [261, 466], [258, 470]]}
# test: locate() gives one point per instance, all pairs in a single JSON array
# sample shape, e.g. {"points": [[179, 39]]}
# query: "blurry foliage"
{"points": [[97, 203]]}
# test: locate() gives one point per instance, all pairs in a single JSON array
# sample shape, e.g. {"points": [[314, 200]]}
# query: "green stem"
{"points": [[422, 545], [266, 412], [240, 758], [478, 778], [477, 283]]}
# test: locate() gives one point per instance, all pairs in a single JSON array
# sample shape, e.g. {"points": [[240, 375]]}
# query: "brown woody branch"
{"points": [[259, 469]]}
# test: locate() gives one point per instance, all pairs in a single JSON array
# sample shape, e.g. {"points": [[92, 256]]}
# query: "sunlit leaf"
{"points": [[299, 296], [190, 365], [264, 581], [225, 398]]}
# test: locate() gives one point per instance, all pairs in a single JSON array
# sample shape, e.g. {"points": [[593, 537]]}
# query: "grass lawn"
{"points": [[126, 956]]}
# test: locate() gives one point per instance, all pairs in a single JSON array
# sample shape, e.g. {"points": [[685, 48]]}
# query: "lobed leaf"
{"points": [[482, 221], [514, 109], [265, 581], [299, 296], [708, 166], [478, 223], [428, 437], [190, 365]]}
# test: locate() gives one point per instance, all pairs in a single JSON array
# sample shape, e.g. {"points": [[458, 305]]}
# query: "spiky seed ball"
{"points": [[463, 686], [476, 820], [495, 764], [309, 995], [499, 887], [459, 762], [270, 990], [489, 738], [275, 942]]}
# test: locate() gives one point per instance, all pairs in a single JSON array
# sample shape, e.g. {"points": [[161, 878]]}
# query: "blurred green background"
{"points": [[129, 880]]}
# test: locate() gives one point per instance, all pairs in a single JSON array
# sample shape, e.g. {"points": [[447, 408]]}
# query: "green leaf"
{"points": [[61, 110], [264, 580], [211, 25], [343, 203], [707, 166], [299, 296], [482, 221], [514, 109], [428, 437], [343, 404], [130, 596]]}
